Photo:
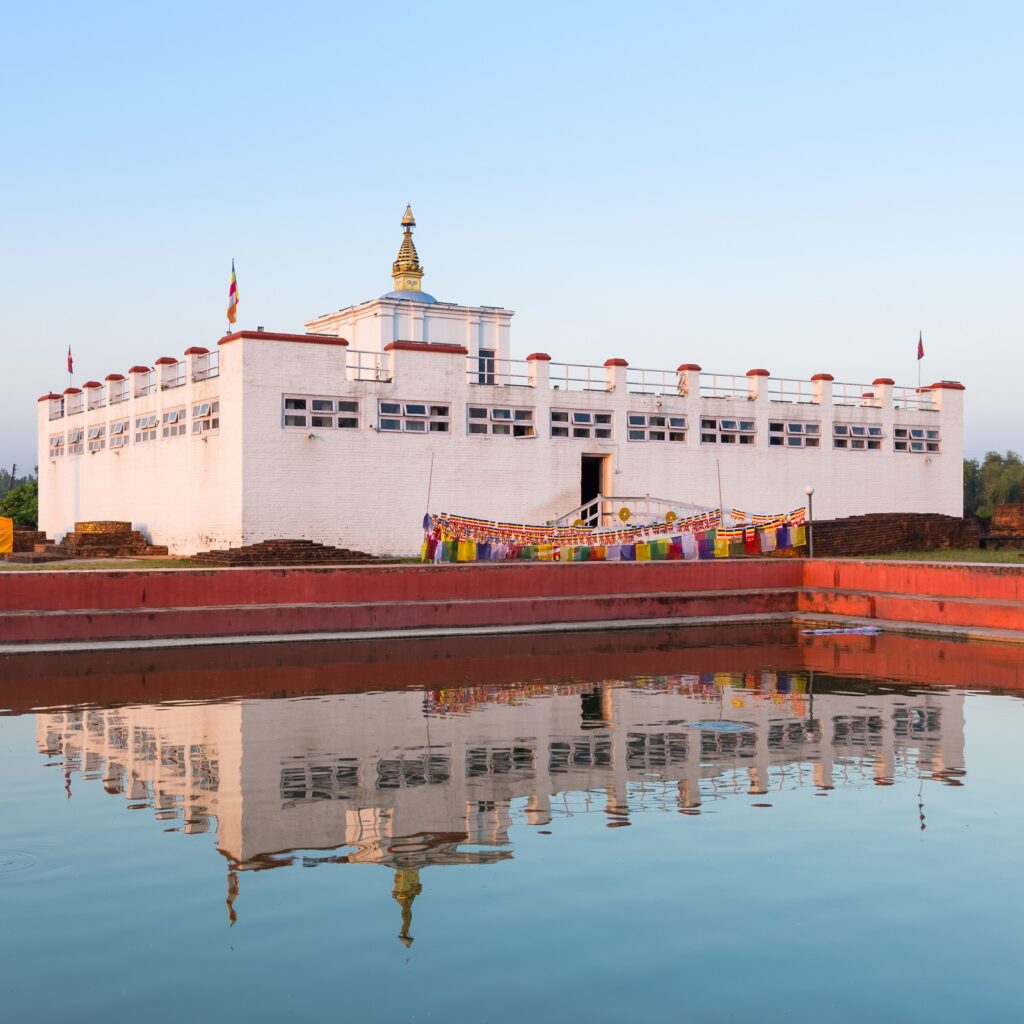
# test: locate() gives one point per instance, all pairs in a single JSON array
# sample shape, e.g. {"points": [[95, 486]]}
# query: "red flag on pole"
{"points": [[71, 362], [920, 346]]}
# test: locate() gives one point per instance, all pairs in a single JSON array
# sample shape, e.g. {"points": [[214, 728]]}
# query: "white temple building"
{"points": [[348, 433]]}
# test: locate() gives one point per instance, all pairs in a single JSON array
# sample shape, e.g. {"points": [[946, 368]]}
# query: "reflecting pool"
{"points": [[750, 825]]}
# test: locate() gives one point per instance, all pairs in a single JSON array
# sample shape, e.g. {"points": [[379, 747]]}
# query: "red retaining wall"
{"points": [[190, 588], [70, 606], [993, 582]]}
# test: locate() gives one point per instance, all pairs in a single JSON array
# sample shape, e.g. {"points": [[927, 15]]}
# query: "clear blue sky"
{"points": [[801, 186]]}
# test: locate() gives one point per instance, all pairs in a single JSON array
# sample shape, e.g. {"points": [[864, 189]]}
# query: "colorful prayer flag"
{"points": [[233, 296]]}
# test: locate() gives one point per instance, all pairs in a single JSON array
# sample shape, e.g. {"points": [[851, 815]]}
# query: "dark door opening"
{"points": [[591, 474]]}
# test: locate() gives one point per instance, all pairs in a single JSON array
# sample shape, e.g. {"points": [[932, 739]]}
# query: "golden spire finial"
{"points": [[406, 271]]}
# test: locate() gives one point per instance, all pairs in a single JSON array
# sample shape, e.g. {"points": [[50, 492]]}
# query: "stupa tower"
{"points": [[406, 272]]}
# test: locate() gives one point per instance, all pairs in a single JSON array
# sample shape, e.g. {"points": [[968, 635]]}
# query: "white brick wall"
{"points": [[256, 480]]}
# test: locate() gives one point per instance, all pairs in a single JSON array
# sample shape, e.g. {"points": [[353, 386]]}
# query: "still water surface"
{"points": [[765, 844]]}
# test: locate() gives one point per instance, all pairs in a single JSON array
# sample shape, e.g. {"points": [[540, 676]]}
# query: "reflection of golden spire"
{"points": [[407, 888], [406, 271]]}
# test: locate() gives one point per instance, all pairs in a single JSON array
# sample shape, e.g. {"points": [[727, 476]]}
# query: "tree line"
{"points": [[19, 498], [994, 480]]}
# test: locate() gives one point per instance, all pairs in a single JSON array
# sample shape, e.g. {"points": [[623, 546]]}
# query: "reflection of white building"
{"points": [[408, 780], [338, 435]]}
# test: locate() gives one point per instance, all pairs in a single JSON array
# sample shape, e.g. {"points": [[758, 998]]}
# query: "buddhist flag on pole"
{"points": [[233, 296], [920, 346], [71, 362]]}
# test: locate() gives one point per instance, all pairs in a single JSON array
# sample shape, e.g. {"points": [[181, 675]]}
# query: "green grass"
{"points": [[102, 565], [954, 555]]}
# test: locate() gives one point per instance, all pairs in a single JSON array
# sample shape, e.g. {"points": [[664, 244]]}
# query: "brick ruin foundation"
{"points": [[884, 532]]}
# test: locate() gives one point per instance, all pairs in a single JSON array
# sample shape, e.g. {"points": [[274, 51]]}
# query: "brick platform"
{"points": [[27, 540], [1006, 529], [104, 540], [886, 532], [284, 552]]}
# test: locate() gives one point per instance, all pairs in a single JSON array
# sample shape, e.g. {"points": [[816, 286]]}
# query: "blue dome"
{"points": [[410, 296]]}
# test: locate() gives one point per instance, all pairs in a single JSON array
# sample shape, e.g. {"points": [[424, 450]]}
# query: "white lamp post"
{"points": [[809, 491]]}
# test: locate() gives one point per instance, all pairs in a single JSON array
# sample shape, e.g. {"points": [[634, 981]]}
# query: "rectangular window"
{"points": [[175, 423], [485, 366], [727, 431], [75, 442], [145, 427], [413, 418], [794, 434], [323, 413], [656, 427], [97, 438], [56, 445], [581, 424], [919, 440], [857, 437], [499, 421], [120, 433], [205, 417]]}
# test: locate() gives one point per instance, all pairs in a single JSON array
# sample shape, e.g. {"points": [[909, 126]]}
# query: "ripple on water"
{"points": [[14, 861]]}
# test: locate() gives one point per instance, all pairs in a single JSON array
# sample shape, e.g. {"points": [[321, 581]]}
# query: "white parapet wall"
{"points": [[321, 440]]}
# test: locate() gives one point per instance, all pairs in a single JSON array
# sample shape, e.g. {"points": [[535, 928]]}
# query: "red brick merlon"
{"points": [[92, 384], [688, 367], [615, 362], [826, 376], [423, 346], [758, 373], [883, 380], [304, 339], [139, 369], [946, 385], [538, 357], [114, 376], [72, 391], [166, 361], [197, 350], [51, 397]]}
